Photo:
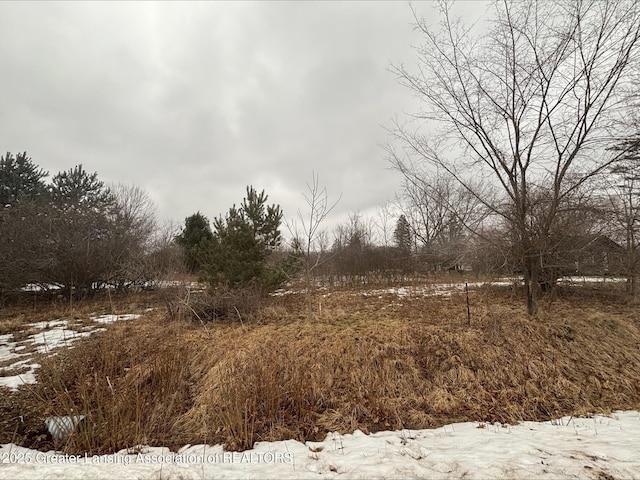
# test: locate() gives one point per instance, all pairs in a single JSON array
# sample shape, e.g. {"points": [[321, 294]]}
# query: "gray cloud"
{"points": [[194, 101]]}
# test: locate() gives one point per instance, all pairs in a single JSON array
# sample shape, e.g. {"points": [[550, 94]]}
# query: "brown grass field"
{"points": [[364, 362]]}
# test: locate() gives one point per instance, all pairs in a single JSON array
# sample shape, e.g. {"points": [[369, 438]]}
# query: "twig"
{"points": [[197, 316], [240, 317]]}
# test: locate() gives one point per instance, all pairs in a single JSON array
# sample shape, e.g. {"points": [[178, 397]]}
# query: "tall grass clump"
{"points": [[129, 384]]}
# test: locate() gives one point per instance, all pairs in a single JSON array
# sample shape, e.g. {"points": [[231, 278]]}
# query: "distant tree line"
{"points": [[437, 227]]}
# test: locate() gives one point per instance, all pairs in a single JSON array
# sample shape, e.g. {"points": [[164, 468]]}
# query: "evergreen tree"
{"points": [[403, 235], [76, 189], [242, 242], [23, 227], [20, 178], [82, 225], [195, 239]]}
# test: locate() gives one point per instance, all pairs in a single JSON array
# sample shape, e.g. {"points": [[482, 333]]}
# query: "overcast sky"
{"points": [[195, 101]]}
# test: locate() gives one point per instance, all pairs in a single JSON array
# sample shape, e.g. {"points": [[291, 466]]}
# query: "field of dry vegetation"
{"points": [[368, 362]]}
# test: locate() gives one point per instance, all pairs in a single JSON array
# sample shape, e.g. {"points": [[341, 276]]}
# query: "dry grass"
{"points": [[366, 363], [130, 382], [41, 307]]}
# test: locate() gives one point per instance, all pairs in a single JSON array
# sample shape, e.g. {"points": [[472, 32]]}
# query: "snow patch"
{"points": [[115, 318], [51, 335], [596, 447]]}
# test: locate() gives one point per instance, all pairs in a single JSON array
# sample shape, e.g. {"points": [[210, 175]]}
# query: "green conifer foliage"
{"points": [[242, 243], [195, 239], [20, 178]]}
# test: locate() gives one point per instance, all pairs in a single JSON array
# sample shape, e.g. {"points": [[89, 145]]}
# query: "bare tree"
{"points": [[308, 236], [425, 204], [385, 222], [133, 228], [623, 199], [165, 258], [353, 248], [528, 105], [440, 212]]}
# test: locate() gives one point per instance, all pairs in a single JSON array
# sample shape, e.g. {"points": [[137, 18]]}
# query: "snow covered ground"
{"points": [[578, 279], [48, 337], [425, 290], [447, 289], [432, 290], [600, 447]]}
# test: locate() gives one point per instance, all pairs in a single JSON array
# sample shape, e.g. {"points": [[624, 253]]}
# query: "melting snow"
{"points": [[115, 318], [56, 337], [582, 279], [34, 287], [447, 289], [597, 447], [429, 290], [52, 335], [7, 347]]}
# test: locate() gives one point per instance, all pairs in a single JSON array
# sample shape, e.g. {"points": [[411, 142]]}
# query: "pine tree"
{"points": [[195, 239], [78, 190], [242, 242], [20, 178], [82, 225], [403, 235]]}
